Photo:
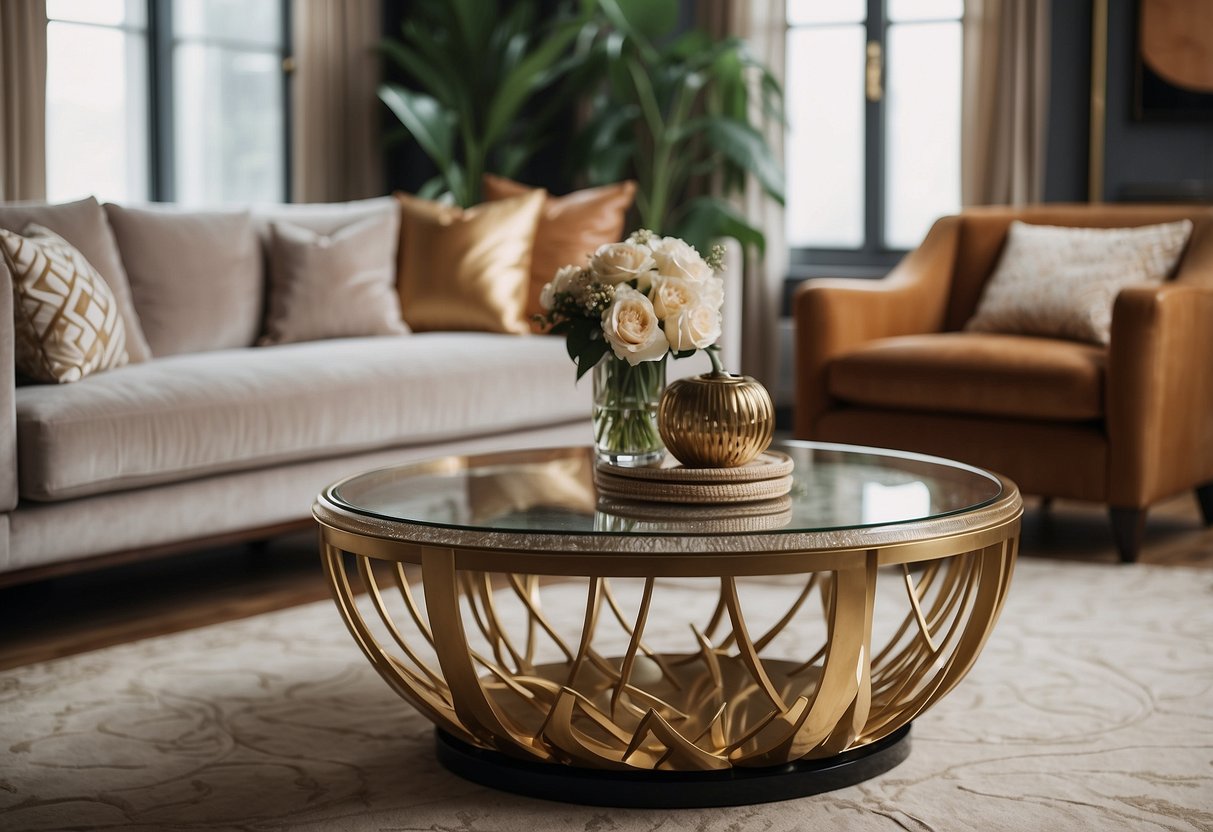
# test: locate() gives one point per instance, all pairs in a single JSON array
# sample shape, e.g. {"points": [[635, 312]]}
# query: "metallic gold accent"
{"points": [[874, 72], [1099, 94], [716, 420], [745, 698]]}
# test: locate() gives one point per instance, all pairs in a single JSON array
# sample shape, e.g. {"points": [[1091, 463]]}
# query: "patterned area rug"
{"points": [[1091, 708]]}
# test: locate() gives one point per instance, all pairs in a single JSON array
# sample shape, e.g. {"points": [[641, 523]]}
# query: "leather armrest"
{"points": [[8, 396], [833, 316], [1160, 392]]}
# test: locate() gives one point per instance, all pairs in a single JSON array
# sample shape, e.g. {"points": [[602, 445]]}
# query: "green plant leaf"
{"points": [[580, 331], [610, 165], [475, 21], [745, 147], [433, 188], [707, 218], [644, 20], [437, 50], [422, 70], [512, 157], [425, 118], [517, 86], [591, 355]]}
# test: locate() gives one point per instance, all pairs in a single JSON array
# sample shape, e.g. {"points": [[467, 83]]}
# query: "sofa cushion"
{"points": [[997, 375], [191, 415], [83, 224], [333, 285], [323, 217], [466, 269], [196, 276], [66, 323], [1061, 282], [571, 227]]}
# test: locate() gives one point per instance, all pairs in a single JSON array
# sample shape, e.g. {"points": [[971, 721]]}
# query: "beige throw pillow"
{"points": [[333, 286], [196, 276], [1062, 282], [66, 323]]}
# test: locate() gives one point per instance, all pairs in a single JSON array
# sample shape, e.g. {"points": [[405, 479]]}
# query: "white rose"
{"points": [[631, 327], [693, 328], [711, 292], [677, 258], [672, 294], [621, 262], [562, 282]]}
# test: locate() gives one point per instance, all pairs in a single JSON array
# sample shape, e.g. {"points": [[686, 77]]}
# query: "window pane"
{"points": [[902, 10], [248, 21], [96, 113], [808, 12], [922, 142], [105, 12], [825, 143], [228, 125]]}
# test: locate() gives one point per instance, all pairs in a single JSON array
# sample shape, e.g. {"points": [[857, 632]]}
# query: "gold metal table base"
{"points": [[446, 646]]}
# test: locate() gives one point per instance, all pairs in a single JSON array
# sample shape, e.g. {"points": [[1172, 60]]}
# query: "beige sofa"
{"points": [[223, 440]]}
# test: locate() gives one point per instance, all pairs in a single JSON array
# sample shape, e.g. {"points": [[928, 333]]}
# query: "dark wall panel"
{"points": [[1157, 157]]}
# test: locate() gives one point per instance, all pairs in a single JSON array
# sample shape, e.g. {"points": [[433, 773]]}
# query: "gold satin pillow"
{"points": [[570, 227], [66, 320], [466, 269]]}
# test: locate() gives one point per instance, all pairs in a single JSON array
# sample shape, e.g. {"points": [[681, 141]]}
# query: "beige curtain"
{"points": [[22, 99], [335, 135], [763, 26], [1004, 101]]}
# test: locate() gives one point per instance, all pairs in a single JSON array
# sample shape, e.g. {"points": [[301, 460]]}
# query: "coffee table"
{"points": [[831, 623]]}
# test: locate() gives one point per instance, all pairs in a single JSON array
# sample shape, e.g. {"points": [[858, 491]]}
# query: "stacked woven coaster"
{"points": [[765, 479]]}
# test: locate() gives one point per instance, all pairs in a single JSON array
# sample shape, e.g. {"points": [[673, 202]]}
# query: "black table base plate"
{"points": [[671, 789]]}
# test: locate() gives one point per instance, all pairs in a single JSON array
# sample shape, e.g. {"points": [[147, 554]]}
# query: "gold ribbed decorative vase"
{"points": [[716, 420]]}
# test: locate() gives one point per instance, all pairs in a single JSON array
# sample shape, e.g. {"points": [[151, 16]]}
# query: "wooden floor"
{"points": [[63, 616]]}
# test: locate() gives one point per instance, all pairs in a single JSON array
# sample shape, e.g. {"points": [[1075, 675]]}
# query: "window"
{"points": [[172, 100], [97, 99], [873, 147]]}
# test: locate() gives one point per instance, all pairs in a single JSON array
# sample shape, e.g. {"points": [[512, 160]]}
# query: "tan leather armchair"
{"points": [[887, 363]]}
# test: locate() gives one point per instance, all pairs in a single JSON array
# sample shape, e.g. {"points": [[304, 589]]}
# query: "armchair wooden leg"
{"points": [[1128, 529], [1204, 496]]}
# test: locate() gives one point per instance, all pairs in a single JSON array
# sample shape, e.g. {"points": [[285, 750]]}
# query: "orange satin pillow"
{"points": [[570, 227], [466, 269]]}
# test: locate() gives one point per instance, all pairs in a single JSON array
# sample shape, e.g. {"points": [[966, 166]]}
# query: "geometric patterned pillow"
{"points": [[66, 319], [1062, 282]]}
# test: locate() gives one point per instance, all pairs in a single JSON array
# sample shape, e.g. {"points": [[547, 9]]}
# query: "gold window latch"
{"points": [[874, 73]]}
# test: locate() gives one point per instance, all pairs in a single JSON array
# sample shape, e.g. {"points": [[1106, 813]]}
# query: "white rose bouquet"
{"points": [[633, 304], [642, 299]]}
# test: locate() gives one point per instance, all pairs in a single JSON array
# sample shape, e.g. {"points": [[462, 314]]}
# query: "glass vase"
{"points": [[625, 411]]}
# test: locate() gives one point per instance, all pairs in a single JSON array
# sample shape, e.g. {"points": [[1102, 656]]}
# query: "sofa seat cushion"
{"points": [[187, 416], [975, 373]]}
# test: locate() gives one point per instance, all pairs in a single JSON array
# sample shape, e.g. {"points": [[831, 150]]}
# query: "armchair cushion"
{"points": [[975, 373], [1061, 282]]}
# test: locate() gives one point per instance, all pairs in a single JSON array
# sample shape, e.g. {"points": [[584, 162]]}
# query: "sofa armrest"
{"points": [[8, 395], [833, 316], [1160, 392]]}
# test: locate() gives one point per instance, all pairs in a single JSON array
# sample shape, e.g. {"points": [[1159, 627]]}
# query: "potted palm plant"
{"points": [[473, 68], [676, 113]]}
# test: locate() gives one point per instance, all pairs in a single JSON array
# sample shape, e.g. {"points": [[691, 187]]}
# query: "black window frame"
{"points": [[161, 139], [873, 258]]}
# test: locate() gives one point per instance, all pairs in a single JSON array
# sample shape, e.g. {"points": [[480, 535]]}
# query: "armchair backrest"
{"points": [[984, 230]]}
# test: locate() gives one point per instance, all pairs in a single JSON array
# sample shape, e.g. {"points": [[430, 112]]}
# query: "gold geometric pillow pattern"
{"points": [[66, 319]]}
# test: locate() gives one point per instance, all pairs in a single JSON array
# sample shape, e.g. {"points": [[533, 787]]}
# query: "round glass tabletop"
{"points": [[835, 487]]}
